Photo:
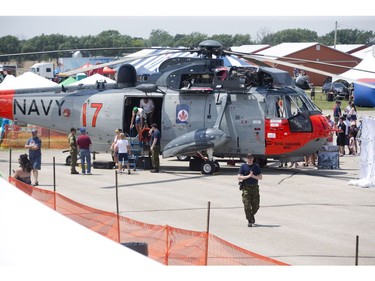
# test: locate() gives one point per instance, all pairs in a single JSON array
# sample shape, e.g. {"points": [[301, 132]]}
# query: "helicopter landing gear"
{"points": [[208, 167], [262, 162], [68, 160]]}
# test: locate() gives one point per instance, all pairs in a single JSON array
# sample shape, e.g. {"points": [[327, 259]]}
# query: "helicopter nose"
{"points": [[321, 126], [6, 104]]}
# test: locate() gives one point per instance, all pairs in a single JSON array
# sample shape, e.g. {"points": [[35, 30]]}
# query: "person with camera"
{"points": [[249, 174]]}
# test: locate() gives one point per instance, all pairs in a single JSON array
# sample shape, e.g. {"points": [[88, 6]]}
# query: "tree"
{"points": [[290, 35], [348, 36], [160, 38], [8, 45], [242, 39]]}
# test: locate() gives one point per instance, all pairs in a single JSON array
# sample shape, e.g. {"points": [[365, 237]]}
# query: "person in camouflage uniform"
{"points": [[249, 174], [73, 151]]}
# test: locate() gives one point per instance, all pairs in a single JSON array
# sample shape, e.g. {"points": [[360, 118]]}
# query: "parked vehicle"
{"points": [[337, 88], [334, 87]]}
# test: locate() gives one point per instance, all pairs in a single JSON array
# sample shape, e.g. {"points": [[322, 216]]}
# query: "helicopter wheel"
{"points": [[217, 166], [208, 167], [262, 162], [68, 160]]}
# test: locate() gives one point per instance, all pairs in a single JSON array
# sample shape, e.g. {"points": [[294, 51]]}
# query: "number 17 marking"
{"points": [[98, 107]]}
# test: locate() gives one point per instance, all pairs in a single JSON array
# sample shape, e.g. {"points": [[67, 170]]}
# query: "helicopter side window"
{"points": [[297, 105], [275, 107]]}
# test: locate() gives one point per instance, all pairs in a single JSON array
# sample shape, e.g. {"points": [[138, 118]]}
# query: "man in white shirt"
{"points": [[138, 116], [148, 108]]}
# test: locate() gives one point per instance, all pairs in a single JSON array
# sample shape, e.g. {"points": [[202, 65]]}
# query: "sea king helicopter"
{"points": [[201, 106]]}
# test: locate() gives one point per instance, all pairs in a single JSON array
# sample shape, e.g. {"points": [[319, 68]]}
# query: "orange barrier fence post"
{"points": [[117, 208], [166, 245], [54, 184], [207, 231]]}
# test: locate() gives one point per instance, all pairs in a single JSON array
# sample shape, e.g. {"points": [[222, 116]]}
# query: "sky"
{"points": [[141, 26], [26, 19]]}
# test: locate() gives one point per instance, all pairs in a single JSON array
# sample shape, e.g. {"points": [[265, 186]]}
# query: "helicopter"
{"points": [[201, 105]]}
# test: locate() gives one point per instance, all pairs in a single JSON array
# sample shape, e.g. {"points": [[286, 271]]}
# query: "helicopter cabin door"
{"points": [[247, 117]]}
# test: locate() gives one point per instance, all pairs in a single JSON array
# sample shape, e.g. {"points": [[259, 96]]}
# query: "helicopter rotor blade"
{"points": [[121, 61], [261, 61], [89, 49], [321, 72], [247, 57]]}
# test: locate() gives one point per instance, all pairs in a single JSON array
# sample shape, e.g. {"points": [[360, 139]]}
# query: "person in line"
{"points": [[73, 151], [249, 174], [34, 144], [155, 147], [138, 116], [332, 130], [352, 115], [148, 107], [114, 151], [84, 146], [23, 173], [123, 147], [337, 112], [341, 136], [347, 126], [352, 144]]}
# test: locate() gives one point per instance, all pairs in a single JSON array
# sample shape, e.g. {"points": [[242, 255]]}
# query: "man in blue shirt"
{"points": [[34, 144], [249, 174]]}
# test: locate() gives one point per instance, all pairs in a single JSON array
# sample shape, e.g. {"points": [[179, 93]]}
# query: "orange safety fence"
{"points": [[167, 245]]}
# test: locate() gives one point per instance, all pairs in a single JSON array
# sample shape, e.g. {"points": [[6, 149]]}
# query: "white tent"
{"points": [[28, 80], [7, 82], [367, 64], [91, 80], [37, 243]]}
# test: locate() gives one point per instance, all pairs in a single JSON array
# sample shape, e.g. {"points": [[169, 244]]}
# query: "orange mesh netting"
{"points": [[167, 245], [16, 137]]}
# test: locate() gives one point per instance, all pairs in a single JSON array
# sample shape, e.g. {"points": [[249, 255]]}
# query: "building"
{"points": [[314, 55]]}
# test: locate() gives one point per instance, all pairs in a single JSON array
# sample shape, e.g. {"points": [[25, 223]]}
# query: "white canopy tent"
{"points": [[91, 80], [365, 69], [28, 80]]}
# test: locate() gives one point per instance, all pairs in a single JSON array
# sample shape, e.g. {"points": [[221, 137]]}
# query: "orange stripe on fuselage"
{"points": [[6, 104]]}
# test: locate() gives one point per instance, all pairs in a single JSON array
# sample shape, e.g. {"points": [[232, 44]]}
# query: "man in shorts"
{"points": [[34, 144]]}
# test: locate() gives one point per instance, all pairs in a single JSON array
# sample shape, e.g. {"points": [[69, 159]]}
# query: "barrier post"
{"points": [[10, 162], [207, 232], [166, 245], [356, 249], [117, 208], [54, 183]]}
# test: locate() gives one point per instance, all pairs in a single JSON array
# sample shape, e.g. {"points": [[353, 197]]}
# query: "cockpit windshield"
{"points": [[288, 105]]}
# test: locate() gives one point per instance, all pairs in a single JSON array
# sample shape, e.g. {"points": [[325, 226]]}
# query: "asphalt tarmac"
{"points": [[307, 216]]}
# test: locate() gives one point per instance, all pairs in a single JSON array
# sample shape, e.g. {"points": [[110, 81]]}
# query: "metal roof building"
{"points": [[311, 55]]}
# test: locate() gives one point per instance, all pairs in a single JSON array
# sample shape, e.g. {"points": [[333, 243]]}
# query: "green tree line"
{"points": [[112, 43]]}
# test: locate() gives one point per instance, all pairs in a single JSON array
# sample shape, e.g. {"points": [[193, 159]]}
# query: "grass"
{"points": [[321, 101]]}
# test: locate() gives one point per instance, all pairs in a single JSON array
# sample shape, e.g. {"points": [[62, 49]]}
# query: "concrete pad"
{"points": [[307, 216]]}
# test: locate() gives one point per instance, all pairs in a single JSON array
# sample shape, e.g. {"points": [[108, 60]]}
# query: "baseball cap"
{"points": [[82, 130], [135, 108], [34, 131]]}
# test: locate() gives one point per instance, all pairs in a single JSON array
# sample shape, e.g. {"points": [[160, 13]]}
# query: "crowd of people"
{"points": [[344, 129]]}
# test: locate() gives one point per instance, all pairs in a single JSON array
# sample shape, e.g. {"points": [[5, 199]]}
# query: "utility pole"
{"points": [[335, 38]]}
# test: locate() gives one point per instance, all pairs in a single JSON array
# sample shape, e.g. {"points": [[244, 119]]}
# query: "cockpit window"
{"points": [[287, 105]]}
